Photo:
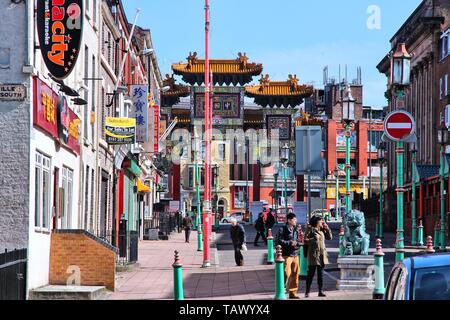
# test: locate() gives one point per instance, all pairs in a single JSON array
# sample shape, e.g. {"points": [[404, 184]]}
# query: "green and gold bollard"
{"points": [[430, 248], [177, 278], [379, 290], [199, 237], [279, 276], [420, 234], [270, 255], [341, 241]]}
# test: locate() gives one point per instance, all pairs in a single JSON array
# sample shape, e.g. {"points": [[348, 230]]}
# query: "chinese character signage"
{"points": [[156, 128], [45, 103], [139, 96], [59, 27], [280, 123], [52, 114], [120, 130], [223, 105]]}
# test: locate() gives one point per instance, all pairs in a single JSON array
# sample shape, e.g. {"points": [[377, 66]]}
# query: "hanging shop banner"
{"points": [[139, 96], [59, 27], [156, 128], [52, 114], [69, 126], [44, 111], [120, 130]]}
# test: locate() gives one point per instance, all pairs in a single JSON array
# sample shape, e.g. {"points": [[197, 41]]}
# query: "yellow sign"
{"points": [[331, 192], [120, 130]]}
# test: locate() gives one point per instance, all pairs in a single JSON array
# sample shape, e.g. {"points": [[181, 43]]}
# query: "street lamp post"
{"points": [[275, 190], [348, 117], [400, 79], [413, 194], [443, 138], [336, 174], [381, 159], [285, 162]]}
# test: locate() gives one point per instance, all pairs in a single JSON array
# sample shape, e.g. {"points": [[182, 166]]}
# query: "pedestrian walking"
{"points": [[237, 233], [187, 226], [317, 252], [287, 238], [270, 220], [260, 229]]}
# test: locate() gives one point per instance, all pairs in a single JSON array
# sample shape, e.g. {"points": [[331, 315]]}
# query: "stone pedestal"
{"points": [[356, 273]]}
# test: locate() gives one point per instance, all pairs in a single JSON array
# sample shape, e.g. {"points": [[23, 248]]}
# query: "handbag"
{"points": [[244, 247]]}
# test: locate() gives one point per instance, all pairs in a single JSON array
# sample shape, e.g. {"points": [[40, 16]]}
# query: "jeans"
{"points": [[262, 235], [187, 234], [311, 272], [238, 255]]}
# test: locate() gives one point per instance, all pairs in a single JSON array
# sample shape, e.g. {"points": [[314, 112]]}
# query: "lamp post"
{"points": [[216, 197], [275, 190], [381, 159], [443, 139], [413, 194], [400, 79], [336, 175], [285, 161], [348, 117]]}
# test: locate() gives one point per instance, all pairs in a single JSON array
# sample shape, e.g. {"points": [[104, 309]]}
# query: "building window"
{"points": [[86, 198], [239, 198], [67, 185], [42, 191], [444, 44], [86, 93], [94, 96], [374, 140], [221, 151], [191, 177]]}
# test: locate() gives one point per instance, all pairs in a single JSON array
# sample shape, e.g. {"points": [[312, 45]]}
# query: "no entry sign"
{"points": [[399, 125]]}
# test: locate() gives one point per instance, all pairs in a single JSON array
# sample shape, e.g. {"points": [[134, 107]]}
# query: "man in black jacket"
{"points": [[287, 238], [237, 233], [260, 230]]}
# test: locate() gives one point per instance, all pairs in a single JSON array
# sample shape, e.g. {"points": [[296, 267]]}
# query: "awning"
{"points": [[142, 187]]}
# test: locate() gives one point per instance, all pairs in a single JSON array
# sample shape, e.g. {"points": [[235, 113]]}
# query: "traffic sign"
{"points": [[399, 125]]}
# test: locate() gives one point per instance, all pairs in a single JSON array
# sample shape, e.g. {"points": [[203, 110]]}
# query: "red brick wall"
{"points": [[97, 263]]}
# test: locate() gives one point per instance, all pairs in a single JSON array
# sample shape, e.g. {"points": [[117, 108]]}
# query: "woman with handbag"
{"points": [[237, 233]]}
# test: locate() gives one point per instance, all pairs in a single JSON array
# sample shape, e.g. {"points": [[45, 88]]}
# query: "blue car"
{"points": [[424, 277]]}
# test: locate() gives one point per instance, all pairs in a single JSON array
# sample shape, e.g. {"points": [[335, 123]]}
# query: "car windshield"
{"points": [[432, 284]]}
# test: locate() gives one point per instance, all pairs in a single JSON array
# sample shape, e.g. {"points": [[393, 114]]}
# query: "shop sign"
{"points": [[52, 114], [120, 130], [59, 28], [139, 96]]}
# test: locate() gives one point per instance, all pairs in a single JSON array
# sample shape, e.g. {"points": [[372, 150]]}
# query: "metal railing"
{"points": [[13, 266]]}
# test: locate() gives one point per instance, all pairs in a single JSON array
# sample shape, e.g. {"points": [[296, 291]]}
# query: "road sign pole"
{"points": [[400, 251]]}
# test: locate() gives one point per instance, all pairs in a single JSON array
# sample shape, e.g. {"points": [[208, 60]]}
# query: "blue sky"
{"points": [[286, 36]]}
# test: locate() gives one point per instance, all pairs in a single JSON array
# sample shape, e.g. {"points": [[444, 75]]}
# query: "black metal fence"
{"points": [[165, 222], [13, 266]]}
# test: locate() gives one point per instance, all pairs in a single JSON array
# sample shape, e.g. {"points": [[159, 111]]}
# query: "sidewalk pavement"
{"points": [[153, 277]]}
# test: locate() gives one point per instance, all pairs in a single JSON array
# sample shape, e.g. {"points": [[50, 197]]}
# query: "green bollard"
{"points": [[279, 276], [270, 255], [303, 262], [379, 290], [341, 241], [177, 278], [199, 238], [420, 234]]}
